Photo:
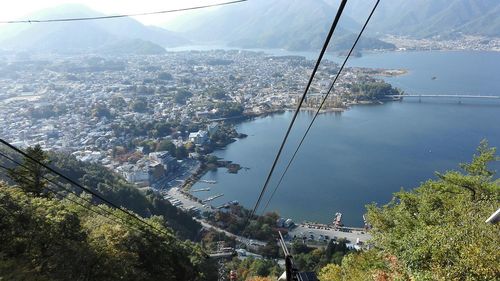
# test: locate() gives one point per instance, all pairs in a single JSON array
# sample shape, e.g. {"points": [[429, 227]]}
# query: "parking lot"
{"points": [[325, 233]]}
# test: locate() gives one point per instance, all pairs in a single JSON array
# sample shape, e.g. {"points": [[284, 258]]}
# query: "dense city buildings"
{"points": [[108, 110]]}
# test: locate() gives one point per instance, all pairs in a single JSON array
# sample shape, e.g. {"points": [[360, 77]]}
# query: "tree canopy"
{"points": [[57, 239]]}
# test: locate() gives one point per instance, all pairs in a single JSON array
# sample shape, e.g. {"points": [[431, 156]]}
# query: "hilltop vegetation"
{"points": [[47, 234], [434, 232], [116, 189], [48, 238]]}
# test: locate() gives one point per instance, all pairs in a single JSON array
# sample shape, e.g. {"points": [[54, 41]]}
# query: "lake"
{"points": [[366, 153]]}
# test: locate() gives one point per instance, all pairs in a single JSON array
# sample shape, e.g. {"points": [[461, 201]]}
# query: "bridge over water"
{"points": [[459, 97]]}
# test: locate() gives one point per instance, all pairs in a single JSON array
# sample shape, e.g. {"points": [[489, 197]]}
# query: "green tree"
{"points": [[63, 239], [217, 93], [100, 110], [165, 76], [437, 231], [166, 145], [330, 272], [181, 152], [139, 105], [182, 96], [118, 102], [31, 176]]}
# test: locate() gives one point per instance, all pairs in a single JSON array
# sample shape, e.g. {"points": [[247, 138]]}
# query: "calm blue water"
{"points": [[365, 154]]}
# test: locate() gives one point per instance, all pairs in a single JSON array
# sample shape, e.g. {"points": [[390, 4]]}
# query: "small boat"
{"points": [[337, 220]]}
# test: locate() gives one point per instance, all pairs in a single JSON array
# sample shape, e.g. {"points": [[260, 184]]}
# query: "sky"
{"points": [[20, 9]]}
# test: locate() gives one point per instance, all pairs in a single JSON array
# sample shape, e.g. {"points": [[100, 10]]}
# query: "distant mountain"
{"points": [[85, 35], [288, 24], [429, 18], [302, 25], [132, 46]]}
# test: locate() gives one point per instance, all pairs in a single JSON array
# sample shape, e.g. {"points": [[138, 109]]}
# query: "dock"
{"points": [[228, 204], [208, 181], [201, 189], [212, 198]]}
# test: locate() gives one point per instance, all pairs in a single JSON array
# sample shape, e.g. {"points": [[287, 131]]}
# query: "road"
{"points": [[241, 239], [303, 230]]}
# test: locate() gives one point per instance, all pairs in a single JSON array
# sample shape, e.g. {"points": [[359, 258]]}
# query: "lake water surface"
{"points": [[365, 154]]}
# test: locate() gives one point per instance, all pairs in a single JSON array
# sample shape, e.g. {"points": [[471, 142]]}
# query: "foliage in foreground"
{"points": [[434, 232], [44, 238], [254, 269]]}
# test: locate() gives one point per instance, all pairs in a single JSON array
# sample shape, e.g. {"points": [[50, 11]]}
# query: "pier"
{"points": [[201, 189], [208, 181], [212, 198]]}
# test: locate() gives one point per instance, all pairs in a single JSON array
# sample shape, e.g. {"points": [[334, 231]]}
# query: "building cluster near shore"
{"points": [[90, 105], [455, 43]]}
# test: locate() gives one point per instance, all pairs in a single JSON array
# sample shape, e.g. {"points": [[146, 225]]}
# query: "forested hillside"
{"points": [[48, 238], [47, 234]]}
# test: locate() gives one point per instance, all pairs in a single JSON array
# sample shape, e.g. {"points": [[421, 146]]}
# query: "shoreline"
{"points": [[204, 168], [186, 186]]}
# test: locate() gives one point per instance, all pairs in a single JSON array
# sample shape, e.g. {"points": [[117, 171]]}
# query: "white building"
{"points": [[199, 137]]}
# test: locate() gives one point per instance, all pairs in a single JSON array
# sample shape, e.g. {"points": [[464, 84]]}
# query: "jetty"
{"points": [[212, 197], [228, 204], [201, 189], [208, 181]]}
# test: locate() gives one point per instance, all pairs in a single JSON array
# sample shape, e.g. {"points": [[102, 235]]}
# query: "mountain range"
{"points": [[302, 25], [286, 24], [433, 18], [125, 35]]}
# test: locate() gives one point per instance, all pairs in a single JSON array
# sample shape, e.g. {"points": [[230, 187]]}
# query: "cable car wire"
{"points": [[62, 187], [94, 193], [321, 105], [280, 150], [58, 192], [121, 15]]}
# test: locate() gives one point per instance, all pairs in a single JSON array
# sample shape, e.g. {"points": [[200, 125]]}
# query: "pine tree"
{"points": [[31, 176]]}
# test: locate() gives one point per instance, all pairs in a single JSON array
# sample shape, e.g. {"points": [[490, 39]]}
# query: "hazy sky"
{"points": [[19, 9]]}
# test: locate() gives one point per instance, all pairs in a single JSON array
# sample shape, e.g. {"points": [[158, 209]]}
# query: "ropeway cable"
{"points": [[121, 15], [323, 50], [320, 106], [100, 197]]}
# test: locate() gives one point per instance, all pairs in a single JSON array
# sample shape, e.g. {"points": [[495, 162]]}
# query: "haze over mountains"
{"points": [[110, 35], [428, 18], [286, 24], [301, 25]]}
